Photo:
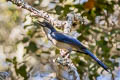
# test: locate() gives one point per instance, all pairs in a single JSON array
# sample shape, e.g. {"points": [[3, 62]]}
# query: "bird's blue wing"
{"points": [[67, 39], [72, 41]]}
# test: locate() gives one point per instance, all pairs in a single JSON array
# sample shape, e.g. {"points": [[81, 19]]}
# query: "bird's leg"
{"points": [[64, 59], [68, 53], [65, 54], [62, 52]]}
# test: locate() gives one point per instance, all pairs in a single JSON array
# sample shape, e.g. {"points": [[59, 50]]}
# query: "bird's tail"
{"points": [[96, 59]]}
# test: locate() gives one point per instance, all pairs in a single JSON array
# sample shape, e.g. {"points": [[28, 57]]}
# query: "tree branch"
{"points": [[39, 13], [66, 24]]}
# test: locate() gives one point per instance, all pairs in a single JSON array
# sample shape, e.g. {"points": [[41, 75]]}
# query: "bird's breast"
{"points": [[59, 44], [52, 40]]}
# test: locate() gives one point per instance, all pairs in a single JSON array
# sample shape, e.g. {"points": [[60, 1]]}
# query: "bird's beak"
{"points": [[41, 23]]}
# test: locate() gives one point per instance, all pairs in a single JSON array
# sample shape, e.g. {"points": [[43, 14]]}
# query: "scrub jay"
{"points": [[63, 41]]}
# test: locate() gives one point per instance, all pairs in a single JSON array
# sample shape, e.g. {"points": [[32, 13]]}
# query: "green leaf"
{"points": [[8, 60], [66, 10], [58, 9], [25, 39], [32, 46], [57, 51], [22, 71]]}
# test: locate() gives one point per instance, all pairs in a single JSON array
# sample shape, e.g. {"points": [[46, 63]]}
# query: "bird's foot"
{"points": [[63, 61], [65, 54]]}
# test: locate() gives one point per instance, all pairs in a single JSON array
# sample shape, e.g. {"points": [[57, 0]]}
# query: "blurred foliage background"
{"points": [[26, 53]]}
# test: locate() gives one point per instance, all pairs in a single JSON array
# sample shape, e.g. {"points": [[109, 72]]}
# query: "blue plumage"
{"points": [[68, 42], [96, 59], [67, 39]]}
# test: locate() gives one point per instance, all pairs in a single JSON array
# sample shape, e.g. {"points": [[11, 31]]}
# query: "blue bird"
{"points": [[69, 43]]}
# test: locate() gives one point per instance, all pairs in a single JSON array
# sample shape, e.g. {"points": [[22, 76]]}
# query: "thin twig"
{"points": [[39, 13]]}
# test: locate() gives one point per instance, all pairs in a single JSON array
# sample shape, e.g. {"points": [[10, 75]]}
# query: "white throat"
{"points": [[47, 30]]}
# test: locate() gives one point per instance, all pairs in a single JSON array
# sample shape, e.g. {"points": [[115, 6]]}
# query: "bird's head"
{"points": [[47, 27], [46, 24]]}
